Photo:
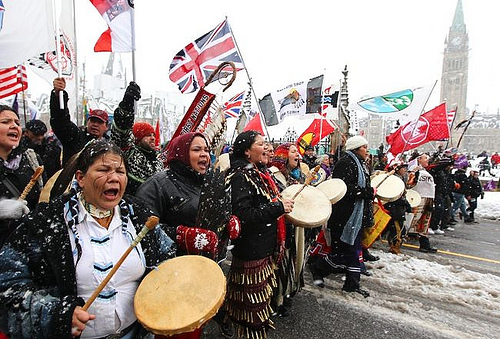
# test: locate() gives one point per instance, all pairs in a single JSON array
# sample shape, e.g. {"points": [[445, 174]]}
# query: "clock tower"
{"points": [[454, 76]]}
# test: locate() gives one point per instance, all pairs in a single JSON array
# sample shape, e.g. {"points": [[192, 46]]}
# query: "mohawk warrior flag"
{"points": [[12, 80], [118, 17], [232, 108], [192, 65], [405, 105], [318, 129], [432, 125]]}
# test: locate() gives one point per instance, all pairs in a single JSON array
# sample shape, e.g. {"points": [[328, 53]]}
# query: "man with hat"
{"points": [[309, 158], [137, 141], [47, 148], [72, 137]]}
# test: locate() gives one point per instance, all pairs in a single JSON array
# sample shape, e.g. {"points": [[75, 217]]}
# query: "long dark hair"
{"points": [[81, 161], [242, 143]]}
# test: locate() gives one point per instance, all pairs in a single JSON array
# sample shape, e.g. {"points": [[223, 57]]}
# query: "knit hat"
{"points": [[178, 148], [36, 127], [99, 114], [141, 130], [355, 142], [280, 158]]}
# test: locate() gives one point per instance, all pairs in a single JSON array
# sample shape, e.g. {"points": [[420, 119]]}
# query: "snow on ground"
{"points": [[445, 299], [489, 207]]}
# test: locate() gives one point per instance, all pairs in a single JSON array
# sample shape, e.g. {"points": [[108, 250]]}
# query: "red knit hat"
{"points": [[280, 159], [142, 129]]}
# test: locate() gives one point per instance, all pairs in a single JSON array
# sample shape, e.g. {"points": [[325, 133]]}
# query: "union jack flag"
{"points": [[13, 80], [2, 10], [232, 107], [192, 65]]}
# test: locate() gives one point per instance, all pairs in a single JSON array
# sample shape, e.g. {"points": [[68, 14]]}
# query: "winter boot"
{"points": [[394, 249], [367, 256], [359, 290], [425, 245]]}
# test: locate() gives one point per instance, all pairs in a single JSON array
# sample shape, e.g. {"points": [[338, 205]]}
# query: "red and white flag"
{"points": [[432, 125], [118, 17], [192, 65], [255, 125], [13, 80], [451, 116], [313, 134]]}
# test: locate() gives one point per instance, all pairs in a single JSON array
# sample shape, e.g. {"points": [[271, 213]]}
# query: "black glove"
{"points": [[132, 94]]}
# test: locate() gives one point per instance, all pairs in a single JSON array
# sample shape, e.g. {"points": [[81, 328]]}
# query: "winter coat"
{"points": [[346, 169], [173, 195], [474, 188], [141, 163], [258, 213], [13, 180], [461, 178], [38, 288], [72, 137]]}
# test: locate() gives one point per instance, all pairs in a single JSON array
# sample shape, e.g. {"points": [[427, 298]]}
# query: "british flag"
{"points": [[192, 65], [13, 80], [2, 10], [232, 107]]}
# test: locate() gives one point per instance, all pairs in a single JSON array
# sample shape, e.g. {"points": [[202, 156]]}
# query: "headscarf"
{"points": [[178, 148]]}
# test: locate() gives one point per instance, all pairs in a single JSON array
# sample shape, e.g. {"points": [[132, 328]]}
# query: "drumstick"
{"points": [[149, 225], [31, 183], [387, 176], [309, 178]]}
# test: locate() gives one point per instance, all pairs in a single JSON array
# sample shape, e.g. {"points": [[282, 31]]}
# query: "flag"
{"points": [[232, 107], [432, 125], [297, 98], [405, 105], [27, 30], [157, 134], [118, 17], [192, 65], [2, 10], [255, 124], [13, 80], [489, 186], [330, 98], [313, 134]]}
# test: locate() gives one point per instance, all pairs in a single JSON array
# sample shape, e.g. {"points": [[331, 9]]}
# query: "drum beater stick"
{"points": [[31, 183], [149, 225], [309, 178]]}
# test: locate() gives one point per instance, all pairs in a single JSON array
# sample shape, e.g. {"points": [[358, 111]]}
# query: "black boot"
{"points": [[425, 245], [367, 256], [359, 290]]}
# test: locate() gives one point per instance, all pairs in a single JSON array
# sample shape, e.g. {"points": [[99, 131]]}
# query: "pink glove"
{"points": [[196, 240], [233, 227]]}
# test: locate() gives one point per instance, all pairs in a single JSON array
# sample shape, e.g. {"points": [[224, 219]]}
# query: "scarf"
{"points": [[353, 225]]}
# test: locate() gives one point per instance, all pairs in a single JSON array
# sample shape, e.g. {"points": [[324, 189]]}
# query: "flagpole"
{"points": [[262, 119], [416, 121], [450, 128], [58, 52], [465, 128], [76, 62], [132, 24]]}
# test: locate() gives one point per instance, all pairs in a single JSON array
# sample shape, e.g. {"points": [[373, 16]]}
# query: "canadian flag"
{"points": [[432, 125], [118, 17], [255, 124]]}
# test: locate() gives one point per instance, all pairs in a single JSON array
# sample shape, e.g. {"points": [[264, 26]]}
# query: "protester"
{"points": [[442, 197], [324, 162], [459, 191], [72, 137], [423, 183], [60, 253], [349, 216], [473, 191], [47, 148], [255, 201], [17, 166], [137, 141], [495, 160], [309, 158]]}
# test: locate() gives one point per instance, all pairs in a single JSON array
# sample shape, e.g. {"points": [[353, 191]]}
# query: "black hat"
{"points": [[36, 127]]}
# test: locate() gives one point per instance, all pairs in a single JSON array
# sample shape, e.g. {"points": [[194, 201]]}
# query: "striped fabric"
{"points": [[13, 80]]}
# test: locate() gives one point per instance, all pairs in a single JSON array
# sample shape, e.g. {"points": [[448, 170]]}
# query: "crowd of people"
{"points": [[106, 179]]}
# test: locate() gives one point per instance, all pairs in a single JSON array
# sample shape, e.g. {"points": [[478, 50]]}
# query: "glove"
{"points": [[132, 94], [13, 208], [196, 240], [233, 227]]}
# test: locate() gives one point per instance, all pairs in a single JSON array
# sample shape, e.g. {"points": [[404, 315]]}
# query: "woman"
{"points": [[324, 162], [62, 251], [17, 165], [349, 216], [287, 161], [255, 202]]}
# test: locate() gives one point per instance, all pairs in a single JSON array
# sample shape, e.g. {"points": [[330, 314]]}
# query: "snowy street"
{"points": [[454, 293]]}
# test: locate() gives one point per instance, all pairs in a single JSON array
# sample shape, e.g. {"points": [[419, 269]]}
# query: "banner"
{"points": [[13, 80], [432, 125], [330, 99], [318, 129], [405, 105], [26, 30]]}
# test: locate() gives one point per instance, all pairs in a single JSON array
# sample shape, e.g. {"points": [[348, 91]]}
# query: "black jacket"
{"points": [[38, 290], [474, 188], [258, 214], [346, 170], [72, 137], [461, 178]]}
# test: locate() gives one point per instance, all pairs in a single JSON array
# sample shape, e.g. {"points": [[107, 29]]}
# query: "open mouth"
{"points": [[13, 135], [111, 193], [203, 164]]}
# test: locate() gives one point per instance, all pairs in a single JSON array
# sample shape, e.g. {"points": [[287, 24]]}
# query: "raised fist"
{"points": [[132, 94]]}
